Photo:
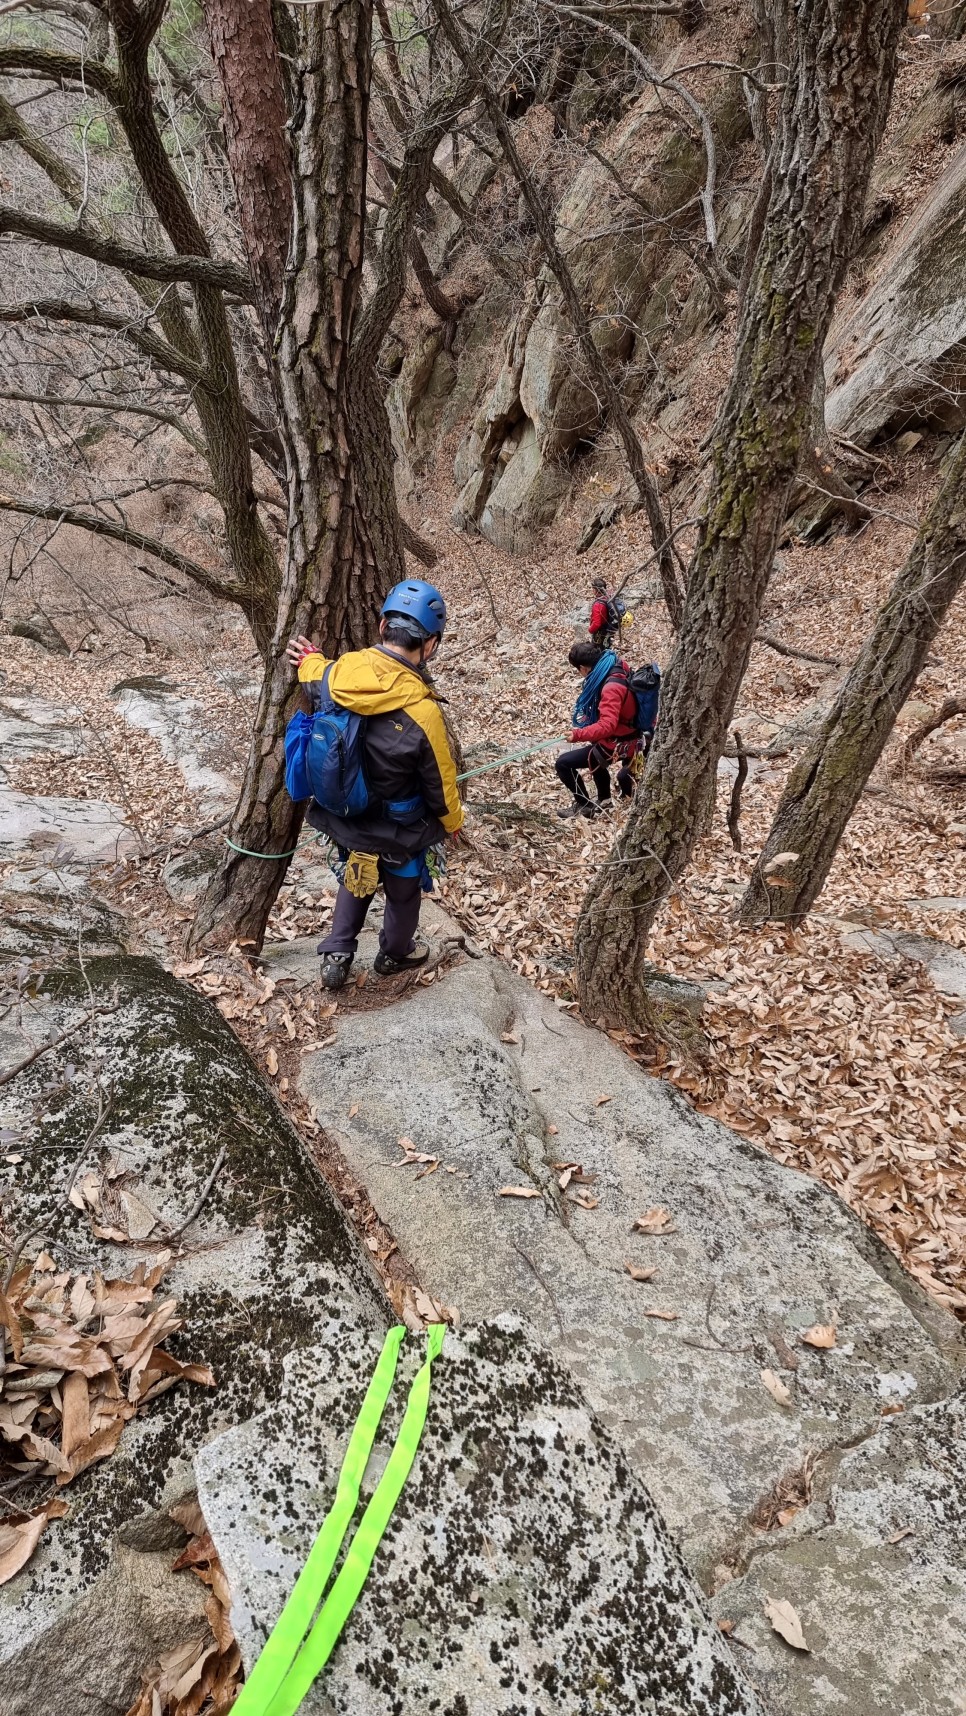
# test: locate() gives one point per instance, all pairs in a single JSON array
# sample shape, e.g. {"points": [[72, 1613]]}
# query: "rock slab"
{"points": [[525, 1571], [486, 1074], [267, 1267]]}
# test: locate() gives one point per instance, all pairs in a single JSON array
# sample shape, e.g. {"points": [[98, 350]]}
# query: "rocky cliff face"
{"points": [[663, 306]]}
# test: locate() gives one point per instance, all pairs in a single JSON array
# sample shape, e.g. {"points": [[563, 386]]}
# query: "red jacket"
{"points": [[599, 616], [616, 721]]}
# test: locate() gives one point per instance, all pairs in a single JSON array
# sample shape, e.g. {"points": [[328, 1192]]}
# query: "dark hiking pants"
{"points": [[591, 757], [399, 925]]}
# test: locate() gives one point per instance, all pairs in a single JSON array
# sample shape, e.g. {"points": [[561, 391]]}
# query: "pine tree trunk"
{"points": [[824, 788], [249, 71], [333, 581], [833, 111]]}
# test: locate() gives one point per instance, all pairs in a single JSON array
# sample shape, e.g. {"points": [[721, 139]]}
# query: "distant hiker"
{"points": [[613, 717], [375, 759], [606, 615]]}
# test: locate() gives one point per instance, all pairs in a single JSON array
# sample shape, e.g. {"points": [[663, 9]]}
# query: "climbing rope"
{"points": [[298, 1647], [468, 775]]}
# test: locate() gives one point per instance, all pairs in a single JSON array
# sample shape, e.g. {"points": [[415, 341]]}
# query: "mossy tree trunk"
{"points": [[824, 788], [836, 98]]}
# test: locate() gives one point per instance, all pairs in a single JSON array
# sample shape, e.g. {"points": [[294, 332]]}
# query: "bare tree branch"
{"points": [[131, 538], [197, 270]]}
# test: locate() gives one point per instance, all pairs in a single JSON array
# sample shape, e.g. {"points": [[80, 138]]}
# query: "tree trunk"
{"points": [[333, 581], [246, 58], [833, 111], [825, 786]]}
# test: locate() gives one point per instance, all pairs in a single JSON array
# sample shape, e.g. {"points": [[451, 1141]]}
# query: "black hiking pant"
{"points": [[591, 757], [399, 924]]}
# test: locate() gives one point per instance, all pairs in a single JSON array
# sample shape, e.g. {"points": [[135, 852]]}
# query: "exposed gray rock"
{"points": [[31, 727], [186, 874], [945, 964], [898, 356], [525, 1570], [757, 1250], [876, 1570], [182, 728], [87, 831], [41, 630], [267, 1268]]}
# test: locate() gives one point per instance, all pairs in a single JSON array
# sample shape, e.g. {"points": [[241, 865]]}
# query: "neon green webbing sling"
{"points": [[297, 1648]]}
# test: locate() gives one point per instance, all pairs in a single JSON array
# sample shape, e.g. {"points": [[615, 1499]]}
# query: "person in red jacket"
{"points": [[605, 723], [603, 625]]}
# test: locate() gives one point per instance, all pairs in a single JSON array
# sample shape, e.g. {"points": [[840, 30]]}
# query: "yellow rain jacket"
{"points": [[407, 754]]}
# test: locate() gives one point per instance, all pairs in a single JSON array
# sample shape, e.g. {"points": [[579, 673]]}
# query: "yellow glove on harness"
{"points": [[361, 874]]}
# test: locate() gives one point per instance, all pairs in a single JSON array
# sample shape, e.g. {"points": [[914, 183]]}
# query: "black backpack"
{"points": [[645, 683], [616, 609]]}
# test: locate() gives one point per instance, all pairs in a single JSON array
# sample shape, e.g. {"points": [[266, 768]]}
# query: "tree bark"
{"points": [[833, 112], [333, 580], [255, 118], [824, 788], [345, 534]]}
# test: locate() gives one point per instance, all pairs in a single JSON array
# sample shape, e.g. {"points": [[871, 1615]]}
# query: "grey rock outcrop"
{"points": [[486, 1074], [898, 356], [180, 725], [266, 1268], [40, 629], [525, 1569], [876, 1571], [514, 465]]}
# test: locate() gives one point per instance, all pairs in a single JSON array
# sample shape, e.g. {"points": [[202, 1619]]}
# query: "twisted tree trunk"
{"points": [[833, 112], [824, 788]]}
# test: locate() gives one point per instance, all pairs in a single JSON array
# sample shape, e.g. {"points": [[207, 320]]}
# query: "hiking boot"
{"points": [[335, 969], [580, 807], [387, 964]]}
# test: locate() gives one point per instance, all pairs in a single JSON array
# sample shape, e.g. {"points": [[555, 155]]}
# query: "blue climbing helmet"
{"points": [[418, 601]]}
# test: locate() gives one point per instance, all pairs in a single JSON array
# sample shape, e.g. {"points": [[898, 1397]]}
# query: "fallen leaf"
{"points": [[18, 1541], [584, 1201], [662, 1316], [776, 1388], [353, 1111], [897, 1536], [188, 1514], [553, 1131], [785, 1515], [785, 1621], [654, 1220], [76, 1426], [601, 1100], [726, 1627], [636, 1273], [509, 1037], [271, 1062], [821, 1335], [519, 1192], [141, 1219]]}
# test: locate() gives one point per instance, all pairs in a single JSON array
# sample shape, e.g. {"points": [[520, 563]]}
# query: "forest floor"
{"points": [[838, 1062]]}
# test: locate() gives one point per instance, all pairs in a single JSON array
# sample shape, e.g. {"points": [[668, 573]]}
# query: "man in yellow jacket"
{"points": [[411, 775]]}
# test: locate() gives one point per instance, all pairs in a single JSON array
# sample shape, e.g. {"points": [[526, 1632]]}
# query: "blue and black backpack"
{"points": [[325, 756], [645, 684]]}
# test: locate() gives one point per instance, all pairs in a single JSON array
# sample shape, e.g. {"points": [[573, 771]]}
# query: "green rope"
{"points": [[297, 1648], [501, 762], [246, 854], [513, 757]]}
